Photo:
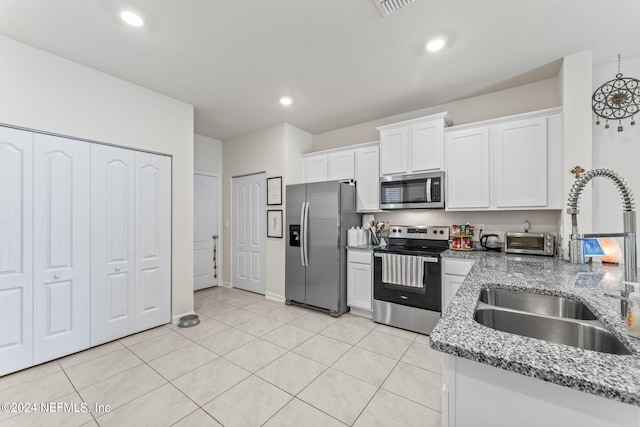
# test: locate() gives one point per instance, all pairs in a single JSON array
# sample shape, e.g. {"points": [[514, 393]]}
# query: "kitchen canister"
{"points": [[360, 236], [352, 237]]}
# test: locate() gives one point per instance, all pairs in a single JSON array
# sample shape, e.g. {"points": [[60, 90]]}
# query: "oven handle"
{"points": [[425, 259]]}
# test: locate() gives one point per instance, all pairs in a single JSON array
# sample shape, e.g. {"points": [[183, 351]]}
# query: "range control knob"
{"points": [[441, 231]]}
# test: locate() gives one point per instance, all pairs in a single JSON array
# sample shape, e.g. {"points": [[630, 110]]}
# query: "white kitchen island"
{"points": [[494, 378]]}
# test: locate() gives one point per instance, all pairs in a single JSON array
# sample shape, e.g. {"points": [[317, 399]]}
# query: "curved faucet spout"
{"points": [[576, 247]]}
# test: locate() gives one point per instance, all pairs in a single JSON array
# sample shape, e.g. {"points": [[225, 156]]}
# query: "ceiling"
{"points": [[340, 59]]}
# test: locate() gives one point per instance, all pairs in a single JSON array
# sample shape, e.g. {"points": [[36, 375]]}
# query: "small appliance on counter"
{"points": [[530, 243], [491, 242]]}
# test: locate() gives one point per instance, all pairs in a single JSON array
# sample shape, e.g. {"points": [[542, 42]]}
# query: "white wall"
{"points": [[619, 151], [207, 154], [277, 151], [520, 99], [44, 92], [576, 101]]}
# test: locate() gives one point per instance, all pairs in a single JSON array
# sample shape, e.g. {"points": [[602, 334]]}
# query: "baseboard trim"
{"points": [[361, 312], [274, 297], [226, 284]]}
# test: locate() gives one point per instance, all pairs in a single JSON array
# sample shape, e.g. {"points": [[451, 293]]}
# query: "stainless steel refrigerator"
{"points": [[318, 216]]}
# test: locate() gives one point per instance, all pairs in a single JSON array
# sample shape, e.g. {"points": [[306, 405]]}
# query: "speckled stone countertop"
{"points": [[612, 376], [362, 247]]}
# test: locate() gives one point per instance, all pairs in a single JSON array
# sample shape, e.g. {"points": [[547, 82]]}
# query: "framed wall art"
{"points": [[274, 223], [274, 191]]}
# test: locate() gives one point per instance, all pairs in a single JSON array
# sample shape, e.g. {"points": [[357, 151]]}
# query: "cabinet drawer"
{"points": [[457, 267], [362, 257]]}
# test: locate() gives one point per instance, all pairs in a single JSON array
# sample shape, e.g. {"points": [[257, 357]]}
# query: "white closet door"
{"points": [[61, 247], [16, 250], [112, 243], [153, 240]]}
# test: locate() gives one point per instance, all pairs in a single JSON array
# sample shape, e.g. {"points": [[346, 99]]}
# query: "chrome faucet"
{"points": [[576, 246]]}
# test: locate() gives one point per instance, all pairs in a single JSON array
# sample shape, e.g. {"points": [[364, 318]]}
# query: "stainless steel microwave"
{"points": [[530, 243], [420, 191]]}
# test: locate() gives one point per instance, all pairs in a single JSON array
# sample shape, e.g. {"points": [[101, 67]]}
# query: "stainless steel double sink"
{"points": [[547, 317]]}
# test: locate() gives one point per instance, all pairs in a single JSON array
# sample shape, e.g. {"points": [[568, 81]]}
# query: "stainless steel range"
{"points": [[407, 286]]}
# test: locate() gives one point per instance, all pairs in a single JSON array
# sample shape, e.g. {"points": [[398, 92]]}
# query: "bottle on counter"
{"points": [[633, 315]]}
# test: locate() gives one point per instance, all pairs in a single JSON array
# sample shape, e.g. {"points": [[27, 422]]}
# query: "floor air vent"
{"points": [[388, 6]]}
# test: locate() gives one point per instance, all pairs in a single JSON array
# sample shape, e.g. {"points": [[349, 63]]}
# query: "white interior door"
{"points": [[153, 240], [205, 230], [249, 232], [112, 242], [16, 250], [62, 246]]}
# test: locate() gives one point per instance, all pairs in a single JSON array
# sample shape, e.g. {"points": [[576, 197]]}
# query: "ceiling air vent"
{"points": [[388, 6]]}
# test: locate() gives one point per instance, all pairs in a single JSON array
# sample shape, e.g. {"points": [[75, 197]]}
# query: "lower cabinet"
{"points": [[85, 245], [360, 281], [454, 272]]}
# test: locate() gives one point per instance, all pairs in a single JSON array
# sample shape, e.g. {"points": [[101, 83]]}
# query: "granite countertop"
{"points": [[368, 247], [612, 376]]}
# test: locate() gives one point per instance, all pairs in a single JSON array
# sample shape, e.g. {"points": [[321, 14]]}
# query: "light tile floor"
{"points": [[250, 362]]}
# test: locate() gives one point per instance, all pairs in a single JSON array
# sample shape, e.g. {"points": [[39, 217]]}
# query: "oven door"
{"points": [[427, 296]]}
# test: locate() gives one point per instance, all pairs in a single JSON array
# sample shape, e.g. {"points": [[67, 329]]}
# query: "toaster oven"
{"points": [[530, 243]]}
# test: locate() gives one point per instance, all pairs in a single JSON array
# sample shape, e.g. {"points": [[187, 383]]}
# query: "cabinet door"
{"points": [[315, 168], [450, 286], [62, 258], [393, 151], [368, 179], [112, 242], [153, 240], [341, 165], [467, 156], [16, 250], [521, 163], [359, 286], [427, 146]]}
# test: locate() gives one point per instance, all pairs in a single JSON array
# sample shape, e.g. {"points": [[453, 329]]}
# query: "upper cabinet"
{"points": [[509, 163], [413, 146], [356, 162]]}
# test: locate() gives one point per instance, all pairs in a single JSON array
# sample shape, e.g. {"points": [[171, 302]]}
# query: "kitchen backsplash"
{"points": [[494, 222]]}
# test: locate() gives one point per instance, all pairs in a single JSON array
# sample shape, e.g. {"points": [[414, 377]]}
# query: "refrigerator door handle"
{"points": [[305, 233], [302, 233]]}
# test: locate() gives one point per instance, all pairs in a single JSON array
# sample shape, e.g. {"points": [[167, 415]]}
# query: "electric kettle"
{"points": [[491, 242]]}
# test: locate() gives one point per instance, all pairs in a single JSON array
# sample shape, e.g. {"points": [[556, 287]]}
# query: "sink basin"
{"points": [[548, 305], [585, 334]]}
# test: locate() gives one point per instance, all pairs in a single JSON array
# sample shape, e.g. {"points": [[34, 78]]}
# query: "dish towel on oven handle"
{"points": [[405, 270]]}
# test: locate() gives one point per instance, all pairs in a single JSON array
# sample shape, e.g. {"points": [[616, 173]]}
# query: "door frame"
{"points": [[220, 230], [263, 221]]}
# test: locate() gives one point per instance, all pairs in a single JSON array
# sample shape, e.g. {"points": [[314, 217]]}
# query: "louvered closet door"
{"points": [[16, 250], [62, 292], [153, 240], [112, 243]]}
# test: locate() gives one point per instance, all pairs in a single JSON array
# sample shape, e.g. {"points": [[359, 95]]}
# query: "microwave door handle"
{"points": [[429, 190]]}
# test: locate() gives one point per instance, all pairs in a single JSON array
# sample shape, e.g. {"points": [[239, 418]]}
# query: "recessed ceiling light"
{"points": [[286, 100], [436, 43], [132, 19]]}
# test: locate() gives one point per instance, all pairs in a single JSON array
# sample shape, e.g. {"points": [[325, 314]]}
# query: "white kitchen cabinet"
{"points": [[454, 271], [394, 151], [16, 250], [152, 241], [521, 163], [368, 178], [467, 175], [62, 252], [476, 394], [341, 165], [413, 146], [508, 163], [112, 243], [130, 244], [360, 281], [315, 168]]}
